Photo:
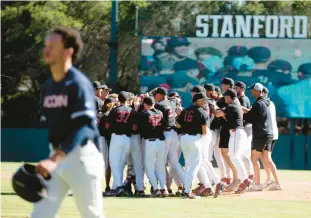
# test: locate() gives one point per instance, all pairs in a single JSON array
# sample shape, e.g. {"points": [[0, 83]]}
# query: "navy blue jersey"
{"points": [[69, 110]]}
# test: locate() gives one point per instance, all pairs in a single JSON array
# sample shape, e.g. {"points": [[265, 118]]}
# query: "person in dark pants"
{"points": [[259, 116]]}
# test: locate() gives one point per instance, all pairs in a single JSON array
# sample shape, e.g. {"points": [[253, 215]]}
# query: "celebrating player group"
{"points": [[148, 132]]}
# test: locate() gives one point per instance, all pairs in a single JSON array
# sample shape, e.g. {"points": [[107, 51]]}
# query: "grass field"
{"points": [[293, 201]]}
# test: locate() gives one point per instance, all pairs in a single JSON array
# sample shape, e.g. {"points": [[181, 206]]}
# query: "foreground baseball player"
{"points": [[70, 114], [151, 126]]}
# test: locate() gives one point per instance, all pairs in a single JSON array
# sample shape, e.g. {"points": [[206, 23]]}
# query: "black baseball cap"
{"points": [[265, 90], [97, 85], [217, 89], [161, 90], [123, 96], [149, 100], [174, 94], [231, 92], [227, 81], [209, 87], [198, 96], [240, 85], [198, 89]]}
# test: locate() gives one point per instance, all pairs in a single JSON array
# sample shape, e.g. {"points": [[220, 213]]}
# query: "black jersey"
{"points": [[69, 111], [168, 110], [192, 119], [121, 120], [151, 124], [234, 115]]}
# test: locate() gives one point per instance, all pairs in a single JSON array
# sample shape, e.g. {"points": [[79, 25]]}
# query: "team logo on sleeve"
{"points": [[55, 101]]}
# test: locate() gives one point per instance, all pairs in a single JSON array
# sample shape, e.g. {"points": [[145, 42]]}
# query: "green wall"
{"points": [[31, 145]]}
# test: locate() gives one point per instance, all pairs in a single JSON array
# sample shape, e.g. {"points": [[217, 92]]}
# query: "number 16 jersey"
{"points": [[120, 120], [192, 119]]}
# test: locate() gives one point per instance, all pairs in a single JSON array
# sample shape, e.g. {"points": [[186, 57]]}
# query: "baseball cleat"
{"points": [[110, 193], [170, 192], [196, 190], [251, 177], [205, 192], [243, 186], [255, 188], [120, 192], [107, 189], [224, 180], [228, 181], [275, 187], [179, 191], [219, 188], [235, 183], [188, 196], [267, 183], [156, 193], [164, 193], [140, 194]]}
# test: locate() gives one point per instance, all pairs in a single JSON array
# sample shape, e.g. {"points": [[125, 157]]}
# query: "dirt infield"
{"points": [[292, 191]]}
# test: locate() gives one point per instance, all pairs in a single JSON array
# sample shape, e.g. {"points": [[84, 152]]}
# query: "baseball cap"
{"points": [[227, 81], [305, 69], [240, 85], [174, 94], [209, 87], [231, 92], [97, 85], [257, 86], [198, 89], [217, 89], [123, 96], [161, 90], [198, 96], [259, 54], [149, 100], [282, 65], [106, 88], [109, 100], [237, 51], [265, 90]]}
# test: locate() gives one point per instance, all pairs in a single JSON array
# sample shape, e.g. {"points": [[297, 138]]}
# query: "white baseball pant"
{"points": [[118, 155], [191, 147], [82, 172], [172, 154], [206, 163], [236, 142], [105, 151], [248, 149], [225, 171], [155, 165], [137, 159]]}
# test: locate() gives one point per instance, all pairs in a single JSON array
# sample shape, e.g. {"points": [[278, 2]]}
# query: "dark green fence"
{"points": [[31, 145]]}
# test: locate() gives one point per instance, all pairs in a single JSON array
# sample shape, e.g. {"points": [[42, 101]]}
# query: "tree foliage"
{"points": [[25, 25]]}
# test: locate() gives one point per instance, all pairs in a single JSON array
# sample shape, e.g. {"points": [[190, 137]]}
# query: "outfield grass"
{"points": [[262, 205]]}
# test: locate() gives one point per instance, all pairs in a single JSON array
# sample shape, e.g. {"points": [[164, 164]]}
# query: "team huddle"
{"points": [[148, 132]]}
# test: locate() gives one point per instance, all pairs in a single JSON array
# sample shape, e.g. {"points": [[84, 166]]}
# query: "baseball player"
{"points": [[266, 157], [151, 127], [98, 93], [244, 101], [171, 137], [70, 114], [120, 123], [225, 135], [234, 117], [258, 116]]}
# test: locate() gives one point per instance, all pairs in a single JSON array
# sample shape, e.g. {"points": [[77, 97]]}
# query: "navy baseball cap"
{"points": [[149, 100], [198, 89], [199, 96], [227, 81], [259, 54], [123, 96], [209, 87], [161, 90], [265, 90], [231, 92], [257, 86], [240, 85]]}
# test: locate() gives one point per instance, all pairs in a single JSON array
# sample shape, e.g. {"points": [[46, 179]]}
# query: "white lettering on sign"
{"points": [[55, 101], [271, 26]]}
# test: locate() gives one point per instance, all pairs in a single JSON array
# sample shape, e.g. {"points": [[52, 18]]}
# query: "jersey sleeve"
{"points": [[82, 103], [180, 118]]}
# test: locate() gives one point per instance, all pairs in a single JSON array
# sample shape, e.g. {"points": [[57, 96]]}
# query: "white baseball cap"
{"points": [[257, 86]]}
